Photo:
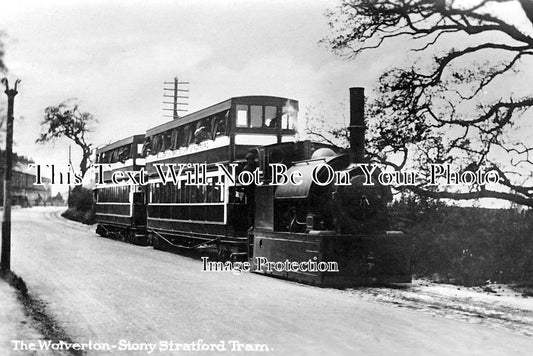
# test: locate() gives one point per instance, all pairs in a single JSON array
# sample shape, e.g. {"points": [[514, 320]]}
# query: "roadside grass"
{"points": [[35, 310]]}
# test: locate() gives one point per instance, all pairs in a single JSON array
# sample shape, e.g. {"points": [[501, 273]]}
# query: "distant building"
{"points": [[24, 192]]}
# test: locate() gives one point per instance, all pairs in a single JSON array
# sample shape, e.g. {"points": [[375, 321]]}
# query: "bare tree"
{"points": [[3, 68], [463, 97], [66, 120]]}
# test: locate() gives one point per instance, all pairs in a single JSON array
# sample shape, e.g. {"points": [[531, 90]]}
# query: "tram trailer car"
{"points": [[121, 208], [340, 228], [210, 216]]}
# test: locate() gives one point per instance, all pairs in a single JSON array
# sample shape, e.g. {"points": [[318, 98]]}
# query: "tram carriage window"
{"points": [[194, 193], [285, 121], [191, 193], [289, 117], [176, 194], [214, 127], [165, 141], [203, 194], [179, 189], [162, 189], [114, 156], [147, 147], [156, 147], [168, 140], [155, 144], [270, 114], [209, 191], [180, 137], [174, 139], [161, 197], [168, 193], [242, 115], [256, 116], [217, 194], [124, 153], [201, 132], [183, 194], [187, 135], [155, 193], [220, 124], [171, 193], [208, 124], [161, 142]]}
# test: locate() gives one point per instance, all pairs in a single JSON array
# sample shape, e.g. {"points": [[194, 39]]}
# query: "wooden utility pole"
{"points": [[175, 89], [6, 223]]}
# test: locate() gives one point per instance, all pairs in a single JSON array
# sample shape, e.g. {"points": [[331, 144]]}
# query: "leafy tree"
{"points": [[463, 96], [66, 120]]}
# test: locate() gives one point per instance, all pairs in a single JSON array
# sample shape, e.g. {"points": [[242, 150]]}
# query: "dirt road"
{"points": [[102, 290]]}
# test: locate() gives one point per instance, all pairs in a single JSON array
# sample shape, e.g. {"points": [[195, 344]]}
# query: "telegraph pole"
{"points": [[6, 223], [175, 89]]}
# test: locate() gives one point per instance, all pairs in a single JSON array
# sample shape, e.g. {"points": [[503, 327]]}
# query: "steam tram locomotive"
{"points": [[306, 221]]}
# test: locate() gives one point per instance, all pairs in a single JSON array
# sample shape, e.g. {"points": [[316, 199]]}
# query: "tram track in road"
{"points": [[54, 215]]}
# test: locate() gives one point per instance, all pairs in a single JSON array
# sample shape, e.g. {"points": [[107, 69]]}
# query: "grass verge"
{"points": [[35, 310]]}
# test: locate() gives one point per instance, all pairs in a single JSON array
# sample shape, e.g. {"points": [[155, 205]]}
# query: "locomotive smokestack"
{"points": [[357, 124]]}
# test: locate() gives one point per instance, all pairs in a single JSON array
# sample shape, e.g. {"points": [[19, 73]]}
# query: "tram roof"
{"points": [[122, 142], [211, 110]]}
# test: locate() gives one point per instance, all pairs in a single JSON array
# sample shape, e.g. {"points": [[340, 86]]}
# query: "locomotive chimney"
{"points": [[357, 124]]}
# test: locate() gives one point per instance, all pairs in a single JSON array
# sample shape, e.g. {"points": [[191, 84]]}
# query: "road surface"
{"points": [[105, 291]]}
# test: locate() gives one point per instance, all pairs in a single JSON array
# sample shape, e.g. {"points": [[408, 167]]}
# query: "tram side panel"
{"points": [[121, 213], [196, 216]]}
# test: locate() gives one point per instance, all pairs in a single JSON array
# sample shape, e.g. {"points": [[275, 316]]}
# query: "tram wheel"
{"points": [[158, 243], [222, 254], [131, 237], [100, 230]]}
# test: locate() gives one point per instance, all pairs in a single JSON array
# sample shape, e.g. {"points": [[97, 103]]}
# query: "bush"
{"points": [[467, 245], [81, 206]]}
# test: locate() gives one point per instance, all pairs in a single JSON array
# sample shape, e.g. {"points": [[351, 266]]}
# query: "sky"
{"points": [[114, 56]]}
